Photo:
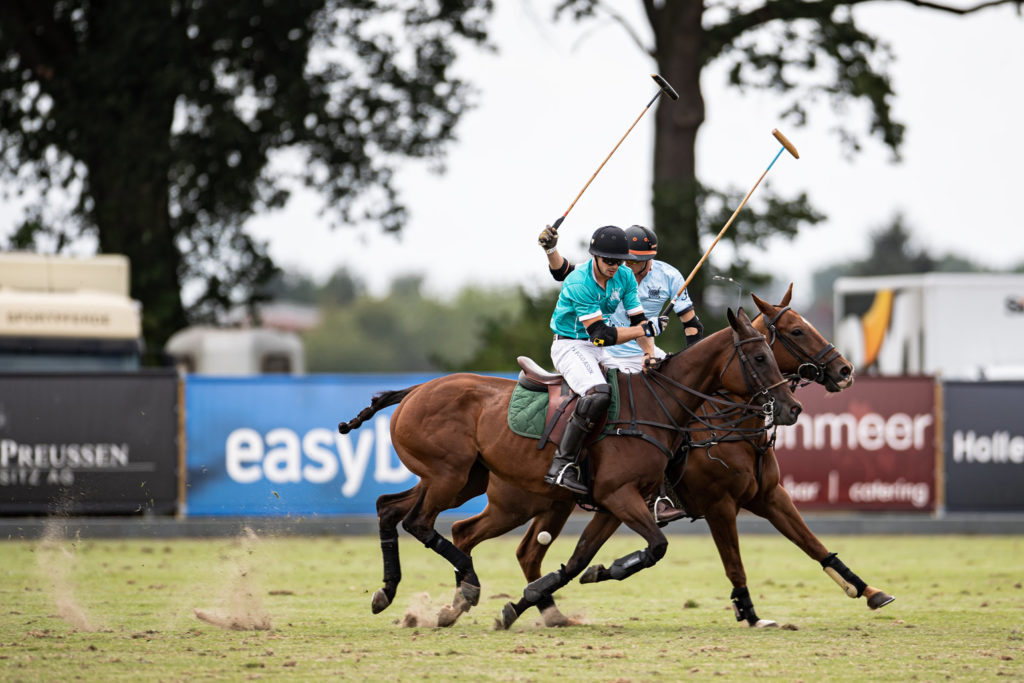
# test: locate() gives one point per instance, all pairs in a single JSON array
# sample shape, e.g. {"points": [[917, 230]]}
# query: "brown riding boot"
{"points": [[663, 510]]}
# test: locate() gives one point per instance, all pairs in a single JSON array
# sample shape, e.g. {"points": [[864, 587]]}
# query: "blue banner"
{"points": [[269, 445]]}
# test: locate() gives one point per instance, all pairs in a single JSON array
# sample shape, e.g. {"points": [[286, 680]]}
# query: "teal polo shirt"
{"points": [[582, 298]]}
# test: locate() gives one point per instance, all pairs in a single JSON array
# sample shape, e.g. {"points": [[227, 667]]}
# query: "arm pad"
{"points": [[693, 324], [636, 319], [602, 334], [563, 270]]}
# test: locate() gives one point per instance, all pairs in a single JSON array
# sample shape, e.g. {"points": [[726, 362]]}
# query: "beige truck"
{"points": [[67, 314]]}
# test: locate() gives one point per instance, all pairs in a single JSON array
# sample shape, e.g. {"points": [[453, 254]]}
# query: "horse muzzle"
{"points": [[786, 412]]}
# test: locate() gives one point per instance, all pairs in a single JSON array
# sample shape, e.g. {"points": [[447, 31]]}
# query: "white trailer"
{"points": [[957, 325]]}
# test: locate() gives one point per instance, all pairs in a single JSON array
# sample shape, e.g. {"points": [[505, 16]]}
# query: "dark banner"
{"points": [[871, 447], [984, 446], [88, 443]]}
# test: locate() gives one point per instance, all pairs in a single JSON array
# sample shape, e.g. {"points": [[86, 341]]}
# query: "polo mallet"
{"points": [[663, 88], [786, 145]]}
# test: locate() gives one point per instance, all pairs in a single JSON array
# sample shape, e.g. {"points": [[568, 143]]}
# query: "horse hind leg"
{"points": [[391, 509]]}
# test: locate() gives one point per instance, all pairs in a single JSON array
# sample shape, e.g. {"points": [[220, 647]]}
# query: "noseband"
{"points": [[811, 368]]}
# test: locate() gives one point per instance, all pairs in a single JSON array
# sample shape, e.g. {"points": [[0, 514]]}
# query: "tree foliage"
{"points": [[168, 123], [407, 330], [805, 51]]}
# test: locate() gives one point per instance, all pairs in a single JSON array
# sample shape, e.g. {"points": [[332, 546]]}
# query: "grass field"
{"points": [[126, 610]]}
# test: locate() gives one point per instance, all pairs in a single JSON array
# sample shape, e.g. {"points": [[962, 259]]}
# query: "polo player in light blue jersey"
{"points": [[589, 295]]}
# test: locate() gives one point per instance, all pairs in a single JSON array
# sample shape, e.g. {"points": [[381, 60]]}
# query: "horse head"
{"points": [[800, 349], [757, 374]]}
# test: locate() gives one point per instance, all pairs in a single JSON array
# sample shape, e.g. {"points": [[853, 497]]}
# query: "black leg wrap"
{"points": [[835, 563], [545, 585], [443, 547], [630, 564], [389, 550], [743, 605]]}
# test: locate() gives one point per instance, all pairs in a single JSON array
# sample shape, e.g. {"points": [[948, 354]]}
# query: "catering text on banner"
{"points": [[870, 447]]}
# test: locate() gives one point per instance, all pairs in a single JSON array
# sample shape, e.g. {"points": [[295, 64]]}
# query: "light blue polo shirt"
{"points": [[582, 298], [659, 285]]}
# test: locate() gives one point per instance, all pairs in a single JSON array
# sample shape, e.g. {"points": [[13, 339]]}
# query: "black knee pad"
{"points": [[594, 404]]}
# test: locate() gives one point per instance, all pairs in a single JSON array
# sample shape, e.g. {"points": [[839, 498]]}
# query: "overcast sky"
{"points": [[555, 99]]}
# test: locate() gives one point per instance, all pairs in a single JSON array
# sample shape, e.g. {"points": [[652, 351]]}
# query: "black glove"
{"points": [[654, 326], [548, 238]]}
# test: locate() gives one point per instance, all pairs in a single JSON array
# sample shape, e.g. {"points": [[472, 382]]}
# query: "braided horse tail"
{"points": [[380, 401]]}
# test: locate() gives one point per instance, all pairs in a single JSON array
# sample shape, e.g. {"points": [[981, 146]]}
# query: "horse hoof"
{"points": [[470, 593], [765, 623], [508, 616], [553, 617], [879, 599], [380, 601], [448, 616], [592, 574]]}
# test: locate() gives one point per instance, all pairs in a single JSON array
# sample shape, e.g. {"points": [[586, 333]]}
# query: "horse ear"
{"points": [[731, 316], [789, 295], [761, 304]]}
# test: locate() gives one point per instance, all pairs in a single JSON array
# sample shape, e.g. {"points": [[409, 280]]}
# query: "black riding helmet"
{"points": [[609, 242], [642, 243]]}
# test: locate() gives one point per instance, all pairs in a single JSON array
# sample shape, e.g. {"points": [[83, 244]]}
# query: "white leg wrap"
{"points": [[848, 588]]}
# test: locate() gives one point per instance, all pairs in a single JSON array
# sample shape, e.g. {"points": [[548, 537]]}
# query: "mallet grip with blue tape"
{"points": [[786, 145]]}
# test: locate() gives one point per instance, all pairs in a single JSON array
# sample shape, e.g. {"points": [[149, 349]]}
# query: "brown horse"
{"points": [[730, 466], [452, 432]]}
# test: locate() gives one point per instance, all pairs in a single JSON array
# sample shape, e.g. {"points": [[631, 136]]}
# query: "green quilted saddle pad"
{"points": [[528, 409]]}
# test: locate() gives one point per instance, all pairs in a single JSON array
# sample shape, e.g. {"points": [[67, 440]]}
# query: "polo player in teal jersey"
{"points": [[589, 295]]}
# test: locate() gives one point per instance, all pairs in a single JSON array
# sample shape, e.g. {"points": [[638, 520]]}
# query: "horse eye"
{"points": [[759, 358], [797, 332]]}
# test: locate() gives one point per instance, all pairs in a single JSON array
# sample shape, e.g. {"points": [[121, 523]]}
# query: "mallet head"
{"points": [[786, 143], [666, 88]]}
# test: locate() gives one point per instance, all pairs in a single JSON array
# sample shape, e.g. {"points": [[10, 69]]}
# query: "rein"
{"points": [[654, 380]]}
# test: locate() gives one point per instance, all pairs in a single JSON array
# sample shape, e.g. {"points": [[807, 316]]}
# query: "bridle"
{"points": [[757, 387], [811, 368]]}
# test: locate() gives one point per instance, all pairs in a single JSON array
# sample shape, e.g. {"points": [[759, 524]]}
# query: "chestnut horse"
{"points": [[729, 467], [452, 432]]}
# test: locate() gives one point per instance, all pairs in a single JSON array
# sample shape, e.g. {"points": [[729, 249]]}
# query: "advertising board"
{"points": [[983, 446], [89, 443], [871, 447], [270, 445]]}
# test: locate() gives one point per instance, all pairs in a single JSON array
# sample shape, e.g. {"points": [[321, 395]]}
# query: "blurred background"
{"points": [[315, 188]]}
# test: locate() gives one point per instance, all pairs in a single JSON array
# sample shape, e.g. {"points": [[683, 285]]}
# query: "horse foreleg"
{"points": [[632, 510], [391, 509], [721, 520], [779, 509], [495, 519], [600, 528], [420, 524], [531, 552]]}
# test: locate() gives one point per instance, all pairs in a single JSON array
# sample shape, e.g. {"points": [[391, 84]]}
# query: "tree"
{"points": [[800, 49], [164, 122]]}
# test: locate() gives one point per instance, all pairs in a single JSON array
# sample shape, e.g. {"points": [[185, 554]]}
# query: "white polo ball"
{"points": [[543, 538]]}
